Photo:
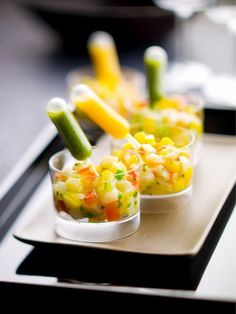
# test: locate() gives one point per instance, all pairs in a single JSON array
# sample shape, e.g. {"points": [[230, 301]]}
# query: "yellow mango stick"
{"points": [[104, 57]]}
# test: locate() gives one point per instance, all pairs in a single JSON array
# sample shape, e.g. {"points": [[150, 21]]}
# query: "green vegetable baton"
{"points": [[69, 129], [155, 60]]}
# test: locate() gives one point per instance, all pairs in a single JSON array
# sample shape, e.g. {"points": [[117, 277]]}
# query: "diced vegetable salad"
{"points": [[107, 193], [173, 110], [165, 169]]}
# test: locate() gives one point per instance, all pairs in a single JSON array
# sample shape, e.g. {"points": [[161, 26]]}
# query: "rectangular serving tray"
{"points": [[177, 245], [181, 232]]}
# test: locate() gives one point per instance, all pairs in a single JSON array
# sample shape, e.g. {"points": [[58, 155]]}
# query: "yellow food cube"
{"points": [[128, 146], [107, 176], [163, 188], [73, 184], [164, 103], [72, 200], [172, 165], [150, 139], [149, 125], [130, 160], [185, 153], [140, 137], [196, 125], [119, 153], [164, 152], [124, 186], [166, 141], [179, 184], [188, 173]]}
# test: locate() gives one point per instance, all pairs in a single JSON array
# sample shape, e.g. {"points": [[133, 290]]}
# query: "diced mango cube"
{"points": [[72, 200], [185, 153], [73, 184], [124, 186], [188, 173], [149, 125], [172, 165], [179, 184], [128, 146], [107, 175], [150, 139], [140, 137], [166, 141]]}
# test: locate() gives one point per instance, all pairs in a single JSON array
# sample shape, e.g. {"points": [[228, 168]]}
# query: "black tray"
{"points": [[71, 281]]}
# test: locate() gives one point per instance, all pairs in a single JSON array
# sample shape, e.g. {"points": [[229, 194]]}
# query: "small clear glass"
{"points": [[92, 207], [180, 111], [133, 86], [167, 173]]}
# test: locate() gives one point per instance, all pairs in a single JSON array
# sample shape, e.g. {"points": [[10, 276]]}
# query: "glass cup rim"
{"points": [[87, 70], [195, 100], [67, 152], [191, 134], [167, 195]]}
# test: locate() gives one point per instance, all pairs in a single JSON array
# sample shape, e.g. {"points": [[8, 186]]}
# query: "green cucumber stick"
{"points": [[69, 129], [155, 61]]}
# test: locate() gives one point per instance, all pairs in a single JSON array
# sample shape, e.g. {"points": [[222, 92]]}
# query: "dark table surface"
{"points": [[32, 71]]}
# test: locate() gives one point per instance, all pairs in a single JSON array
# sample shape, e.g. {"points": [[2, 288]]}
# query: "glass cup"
{"points": [[91, 205], [132, 87], [167, 170], [181, 111]]}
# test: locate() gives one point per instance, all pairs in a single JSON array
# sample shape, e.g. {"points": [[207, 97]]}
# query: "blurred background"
{"points": [[42, 40]]}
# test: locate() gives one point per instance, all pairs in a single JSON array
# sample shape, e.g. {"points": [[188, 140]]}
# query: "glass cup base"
{"points": [[156, 204], [97, 232]]}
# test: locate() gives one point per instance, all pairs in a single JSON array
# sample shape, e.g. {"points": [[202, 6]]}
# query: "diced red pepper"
{"points": [[60, 176], [112, 211], [133, 178], [90, 198], [87, 172], [141, 151], [141, 104], [60, 205]]}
